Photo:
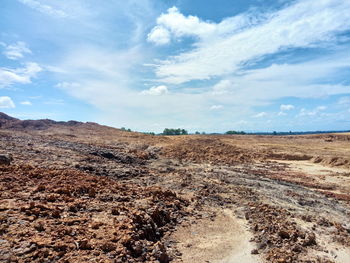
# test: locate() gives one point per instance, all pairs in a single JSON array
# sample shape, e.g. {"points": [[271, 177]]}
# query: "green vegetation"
{"points": [[235, 132], [174, 131], [124, 129], [149, 133]]}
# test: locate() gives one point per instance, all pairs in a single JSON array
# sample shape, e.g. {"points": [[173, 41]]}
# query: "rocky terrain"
{"points": [[82, 192]]}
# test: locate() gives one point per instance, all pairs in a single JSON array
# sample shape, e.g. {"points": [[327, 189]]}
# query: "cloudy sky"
{"points": [[214, 65]]}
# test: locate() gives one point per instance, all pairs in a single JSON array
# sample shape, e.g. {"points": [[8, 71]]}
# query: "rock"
{"points": [[84, 244], [297, 248], [39, 226], [51, 198], [254, 252], [310, 240], [56, 213], [40, 188], [160, 253], [108, 247], [115, 211], [283, 234], [92, 193], [6, 159]]}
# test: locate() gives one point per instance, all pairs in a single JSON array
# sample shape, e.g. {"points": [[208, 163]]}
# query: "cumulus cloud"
{"points": [[260, 115], [16, 50], [6, 102], [179, 25], [286, 107], [156, 90], [44, 8], [218, 52], [175, 24], [159, 35], [21, 75]]}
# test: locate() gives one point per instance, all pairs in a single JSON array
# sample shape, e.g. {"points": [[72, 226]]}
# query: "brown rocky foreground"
{"points": [[82, 192]]}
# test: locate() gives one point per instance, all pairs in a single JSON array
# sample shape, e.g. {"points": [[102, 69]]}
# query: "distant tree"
{"points": [[274, 133], [235, 132], [149, 133], [178, 131], [125, 129], [197, 132]]}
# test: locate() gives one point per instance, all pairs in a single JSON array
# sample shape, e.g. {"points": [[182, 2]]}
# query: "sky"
{"points": [[213, 66]]}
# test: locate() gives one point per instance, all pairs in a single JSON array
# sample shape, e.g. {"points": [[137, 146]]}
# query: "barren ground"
{"points": [[89, 193]]}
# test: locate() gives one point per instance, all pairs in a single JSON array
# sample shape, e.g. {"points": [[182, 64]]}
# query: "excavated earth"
{"points": [[82, 192]]}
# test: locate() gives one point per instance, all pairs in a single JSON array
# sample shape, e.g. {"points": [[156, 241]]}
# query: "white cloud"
{"points": [[260, 115], [6, 102], [281, 113], [344, 101], [286, 107], [216, 107], [68, 85], [159, 35], [260, 86], [16, 51], [179, 25], [222, 87], [22, 75], [156, 91], [44, 8], [311, 113], [303, 24], [26, 103], [98, 76], [321, 108]]}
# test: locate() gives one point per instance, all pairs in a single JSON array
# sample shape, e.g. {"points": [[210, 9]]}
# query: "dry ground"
{"points": [[89, 193]]}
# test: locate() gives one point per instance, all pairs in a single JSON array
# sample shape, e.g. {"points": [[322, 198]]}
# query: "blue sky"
{"points": [[209, 65]]}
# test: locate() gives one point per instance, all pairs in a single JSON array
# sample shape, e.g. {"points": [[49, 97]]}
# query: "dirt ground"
{"points": [[81, 192]]}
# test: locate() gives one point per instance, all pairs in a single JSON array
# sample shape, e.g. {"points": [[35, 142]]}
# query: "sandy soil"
{"points": [[223, 238]]}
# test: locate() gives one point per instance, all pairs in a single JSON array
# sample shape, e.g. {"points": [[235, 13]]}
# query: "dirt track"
{"points": [[83, 192]]}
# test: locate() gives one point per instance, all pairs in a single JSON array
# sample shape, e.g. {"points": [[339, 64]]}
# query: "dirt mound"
{"points": [[36, 124], [71, 216], [282, 241], [8, 122], [333, 161], [288, 156], [211, 150]]}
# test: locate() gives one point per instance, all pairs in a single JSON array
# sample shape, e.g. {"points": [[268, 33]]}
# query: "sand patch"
{"points": [[223, 239]]}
